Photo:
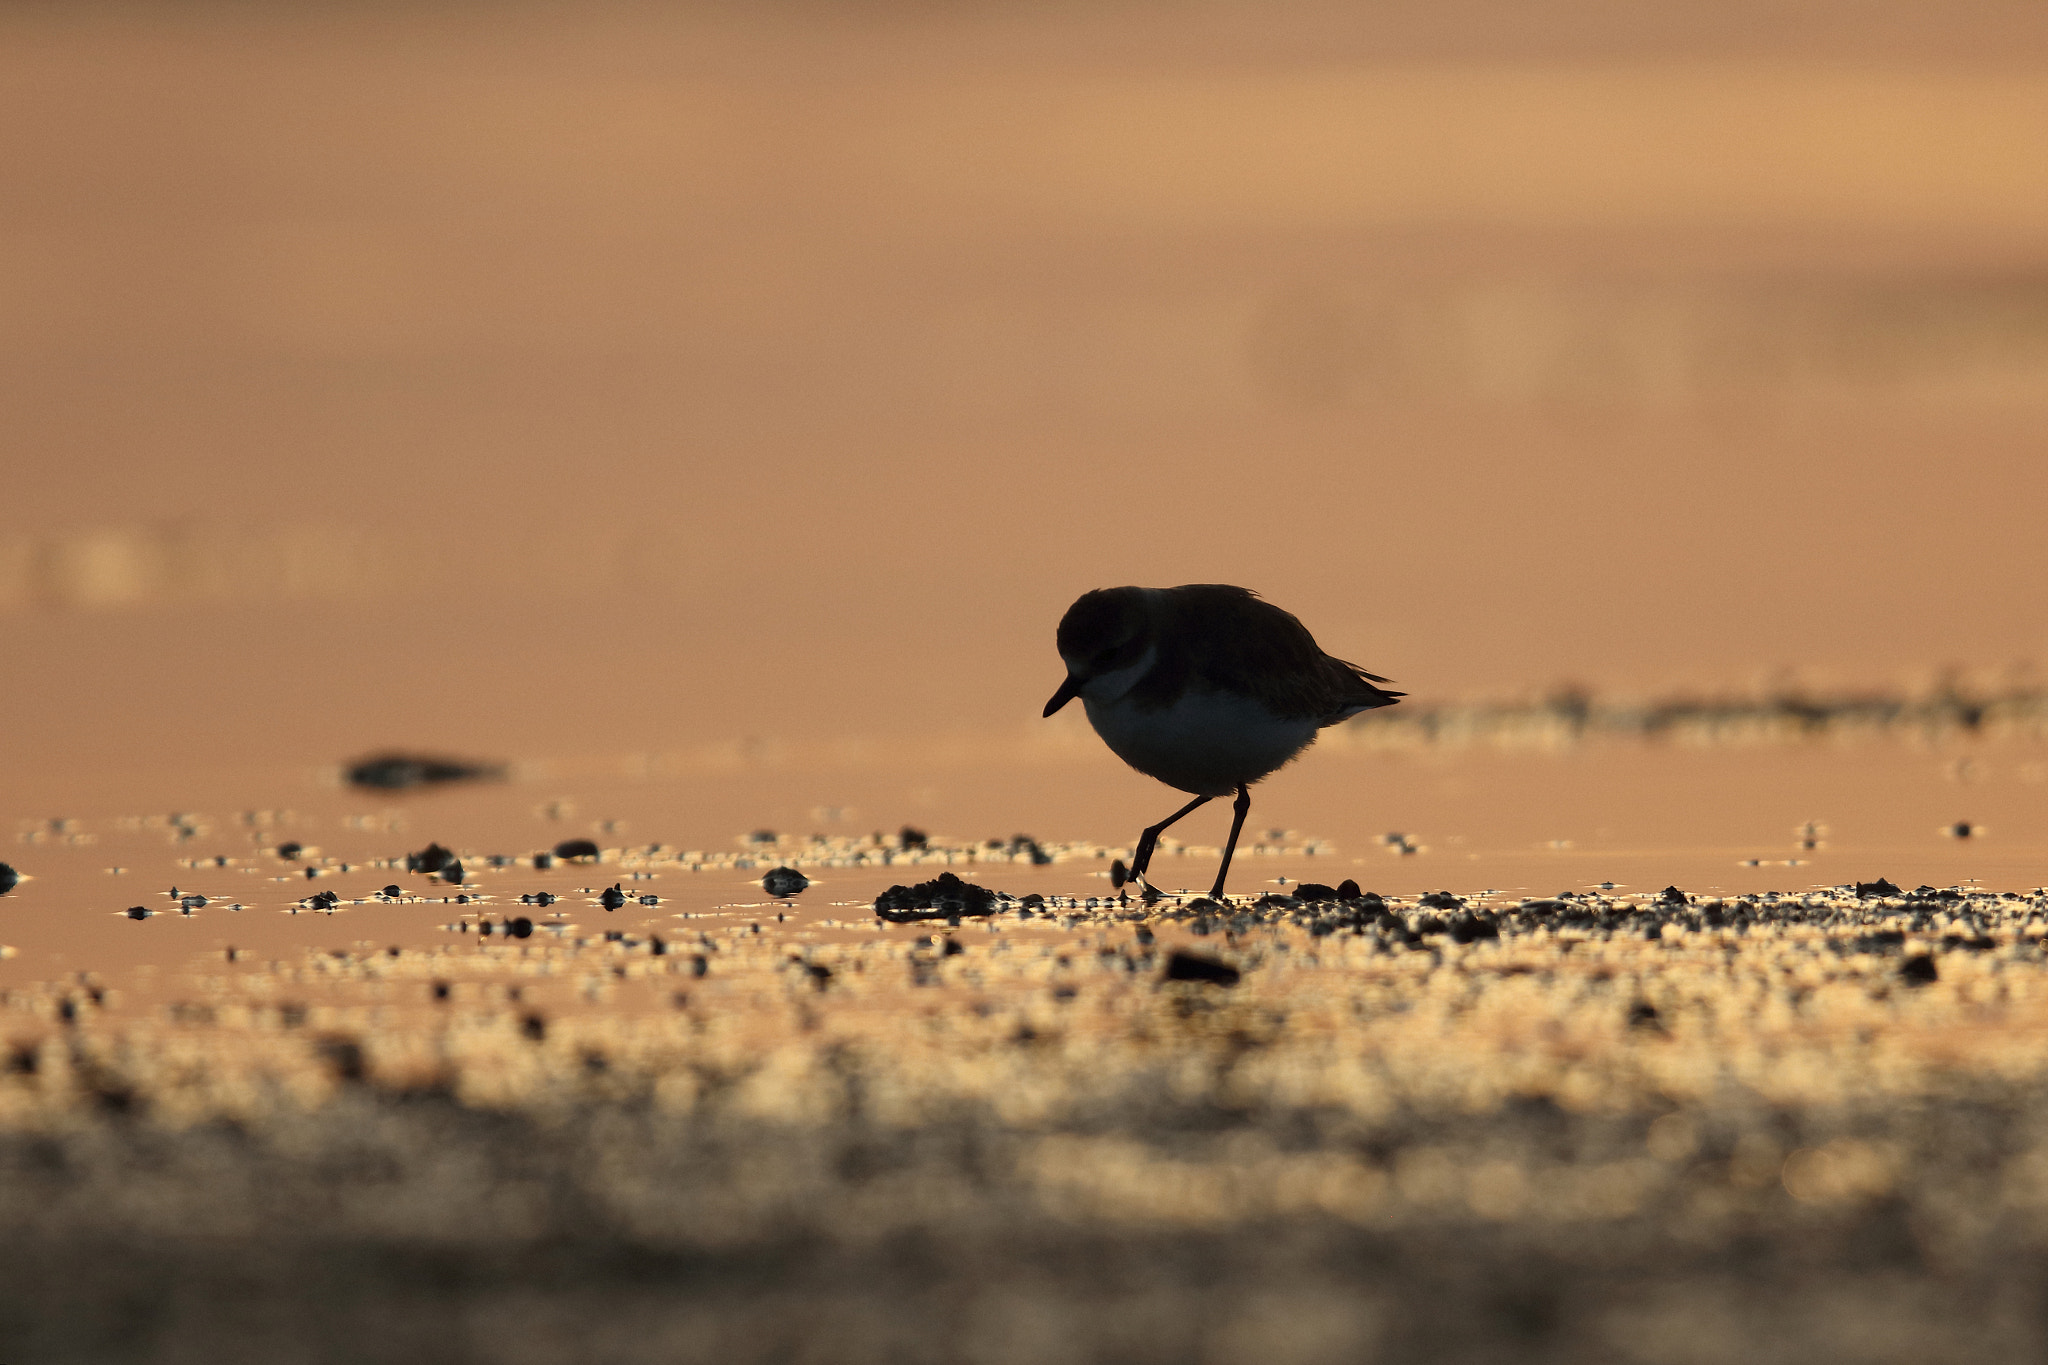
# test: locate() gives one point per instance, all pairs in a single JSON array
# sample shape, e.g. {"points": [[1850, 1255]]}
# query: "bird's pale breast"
{"points": [[1205, 743]]}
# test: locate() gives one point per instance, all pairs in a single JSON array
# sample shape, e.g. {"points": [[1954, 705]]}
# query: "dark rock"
{"points": [[1442, 900], [394, 891], [290, 849], [1918, 970], [194, 902], [429, 860], [1880, 887], [945, 895], [1961, 829], [650, 900], [1467, 928], [139, 912], [1186, 966], [9, 879], [762, 836], [440, 990], [1644, 1015], [345, 1057], [402, 772], [611, 898], [1670, 895], [321, 900], [534, 1028], [452, 874], [543, 861], [521, 927], [571, 849], [784, 881], [1347, 890], [912, 837], [1316, 891]]}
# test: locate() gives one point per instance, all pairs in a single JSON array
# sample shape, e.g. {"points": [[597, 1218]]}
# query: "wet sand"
{"points": [[1525, 1101]]}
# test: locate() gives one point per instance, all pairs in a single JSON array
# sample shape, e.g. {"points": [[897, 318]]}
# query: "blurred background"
{"points": [[543, 380]]}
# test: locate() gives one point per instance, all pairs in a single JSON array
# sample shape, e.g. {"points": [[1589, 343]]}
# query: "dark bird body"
{"points": [[1206, 688]]}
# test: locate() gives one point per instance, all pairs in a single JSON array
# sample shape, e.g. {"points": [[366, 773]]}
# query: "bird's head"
{"points": [[1104, 631]]}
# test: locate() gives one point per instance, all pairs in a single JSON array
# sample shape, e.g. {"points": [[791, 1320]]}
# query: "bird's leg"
{"points": [[1149, 840], [1243, 806]]}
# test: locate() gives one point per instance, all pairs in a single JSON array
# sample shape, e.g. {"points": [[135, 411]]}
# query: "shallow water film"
{"points": [[531, 549]]}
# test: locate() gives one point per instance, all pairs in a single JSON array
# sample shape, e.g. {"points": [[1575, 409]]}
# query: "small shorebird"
{"points": [[1206, 688]]}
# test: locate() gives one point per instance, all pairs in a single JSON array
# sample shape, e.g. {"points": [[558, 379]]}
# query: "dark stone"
{"points": [[650, 899], [192, 902], [543, 861], [429, 860], [1442, 900], [139, 912], [545, 898], [1644, 1015], [290, 849], [784, 881], [571, 849], [1347, 890], [762, 836], [1880, 887], [1186, 966], [912, 837], [1918, 970], [1961, 829], [394, 891], [942, 897], [1466, 928], [611, 898], [1316, 891], [9, 879], [521, 927], [402, 772], [321, 900], [1670, 895], [344, 1056], [452, 874], [440, 990], [533, 1027]]}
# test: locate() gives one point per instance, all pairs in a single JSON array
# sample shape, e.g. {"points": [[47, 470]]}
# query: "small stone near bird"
{"points": [[784, 881], [944, 896], [429, 860], [1186, 966]]}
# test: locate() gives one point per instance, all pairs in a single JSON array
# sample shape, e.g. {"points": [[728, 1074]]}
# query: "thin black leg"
{"points": [[1149, 840], [1243, 806]]}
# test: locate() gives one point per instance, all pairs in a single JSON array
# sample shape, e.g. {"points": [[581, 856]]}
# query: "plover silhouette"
{"points": [[1205, 687]]}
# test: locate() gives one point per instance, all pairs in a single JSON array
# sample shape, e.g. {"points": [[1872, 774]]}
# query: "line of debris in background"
{"points": [[1572, 717]]}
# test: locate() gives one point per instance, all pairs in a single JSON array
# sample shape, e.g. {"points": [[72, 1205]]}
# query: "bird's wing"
{"points": [[1252, 647]]}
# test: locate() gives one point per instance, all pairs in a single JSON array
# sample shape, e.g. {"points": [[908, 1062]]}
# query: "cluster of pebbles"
{"points": [[1465, 1089]]}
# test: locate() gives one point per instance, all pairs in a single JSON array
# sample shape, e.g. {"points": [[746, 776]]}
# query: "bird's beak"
{"points": [[1069, 690]]}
